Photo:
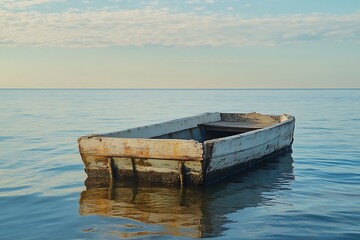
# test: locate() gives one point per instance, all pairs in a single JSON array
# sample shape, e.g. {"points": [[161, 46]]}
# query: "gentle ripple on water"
{"points": [[313, 192]]}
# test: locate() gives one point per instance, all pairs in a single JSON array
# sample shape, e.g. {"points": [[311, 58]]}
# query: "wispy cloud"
{"points": [[13, 4], [200, 1], [74, 28]]}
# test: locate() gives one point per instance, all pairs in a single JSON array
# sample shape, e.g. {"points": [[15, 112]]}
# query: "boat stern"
{"points": [[166, 161]]}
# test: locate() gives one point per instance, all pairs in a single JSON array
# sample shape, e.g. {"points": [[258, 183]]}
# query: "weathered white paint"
{"points": [[163, 166], [141, 148], [237, 149], [223, 146], [159, 129], [95, 162]]}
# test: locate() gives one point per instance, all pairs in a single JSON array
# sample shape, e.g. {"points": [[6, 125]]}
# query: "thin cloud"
{"points": [[166, 28], [12, 4], [200, 1]]}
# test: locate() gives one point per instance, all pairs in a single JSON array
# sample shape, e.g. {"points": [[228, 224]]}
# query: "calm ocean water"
{"points": [[313, 192]]}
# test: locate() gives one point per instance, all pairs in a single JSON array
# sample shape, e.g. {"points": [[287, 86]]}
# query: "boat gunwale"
{"points": [[106, 135], [207, 142], [95, 136]]}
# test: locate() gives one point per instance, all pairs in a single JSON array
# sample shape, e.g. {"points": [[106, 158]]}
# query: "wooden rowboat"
{"points": [[194, 151]]}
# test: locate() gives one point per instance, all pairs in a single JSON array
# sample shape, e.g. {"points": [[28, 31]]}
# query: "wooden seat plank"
{"points": [[233, 126]]}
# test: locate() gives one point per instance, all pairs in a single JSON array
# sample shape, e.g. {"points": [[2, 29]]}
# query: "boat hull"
{"points": [[231, 155], [183, 161]]}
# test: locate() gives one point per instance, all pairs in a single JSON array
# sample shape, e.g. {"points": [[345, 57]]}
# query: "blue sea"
{"points": [[312, 192]]}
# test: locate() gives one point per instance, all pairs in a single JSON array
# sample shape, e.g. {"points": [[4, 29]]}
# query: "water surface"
{"points": [[313, 192]]}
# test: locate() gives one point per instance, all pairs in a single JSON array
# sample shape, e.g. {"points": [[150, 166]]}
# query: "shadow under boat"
{"points": [[189, 212]]}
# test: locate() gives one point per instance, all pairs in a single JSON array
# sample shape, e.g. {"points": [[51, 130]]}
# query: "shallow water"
{"points": [[313, 192]]}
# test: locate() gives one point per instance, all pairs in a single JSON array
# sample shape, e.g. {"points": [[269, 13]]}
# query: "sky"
{"points": [[180, 44]]}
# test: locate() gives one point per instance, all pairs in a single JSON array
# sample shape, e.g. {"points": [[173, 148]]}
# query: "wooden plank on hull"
{"points": [[240, 142], [141, 148], [243, 156]]}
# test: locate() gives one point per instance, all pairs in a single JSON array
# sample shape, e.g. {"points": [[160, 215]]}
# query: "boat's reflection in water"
{"points": [[189, 212]]}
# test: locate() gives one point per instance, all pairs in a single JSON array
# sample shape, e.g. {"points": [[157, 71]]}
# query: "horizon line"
{"points": [[341, 88]]}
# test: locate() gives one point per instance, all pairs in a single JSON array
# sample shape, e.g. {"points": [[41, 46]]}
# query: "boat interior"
{"points": [[202, 127], [229, 125]]}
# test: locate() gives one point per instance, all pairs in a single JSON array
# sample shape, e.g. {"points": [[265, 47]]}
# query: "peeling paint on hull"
{"points": [[216, 152]]}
